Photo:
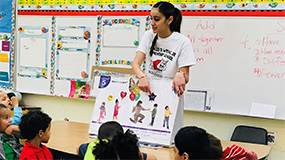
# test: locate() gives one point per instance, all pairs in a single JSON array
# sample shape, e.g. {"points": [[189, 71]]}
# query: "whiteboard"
{"points": [[242, 59]]}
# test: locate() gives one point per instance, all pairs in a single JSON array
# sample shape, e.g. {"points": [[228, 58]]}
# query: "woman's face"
{"points": [[159, 23]]}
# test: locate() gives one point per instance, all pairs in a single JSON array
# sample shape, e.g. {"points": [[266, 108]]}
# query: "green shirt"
{"points": [[153, 113], [89, 155], [9, 152]]}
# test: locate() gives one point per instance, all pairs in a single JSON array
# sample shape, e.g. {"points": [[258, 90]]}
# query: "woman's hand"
{"points": [[144, 85], [179, 83]]}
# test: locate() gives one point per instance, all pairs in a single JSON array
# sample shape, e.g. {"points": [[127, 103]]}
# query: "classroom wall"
{"points": [[220, 125]]}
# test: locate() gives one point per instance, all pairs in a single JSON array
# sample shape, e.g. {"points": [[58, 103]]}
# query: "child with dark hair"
{"points": [[194, 143], [35, 127], [10, 147], [122, 146], [12, 103], [106, 131]]}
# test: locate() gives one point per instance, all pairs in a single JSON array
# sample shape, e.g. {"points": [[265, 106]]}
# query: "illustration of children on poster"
{"points": [[153, 113], [116, 110], [136, 110], [102, 111], [167, 113]]}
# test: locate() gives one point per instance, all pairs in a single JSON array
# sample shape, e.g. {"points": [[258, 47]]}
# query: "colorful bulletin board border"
{"points": [[114, 2], [220, 5], [32, 34], [63, 39], [98, 42], [52, 60]]}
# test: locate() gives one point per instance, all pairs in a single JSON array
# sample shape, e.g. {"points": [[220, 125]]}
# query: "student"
{"points": [[194, 143], [106, 131], [12, 103], [153, 114], [137, 109], [167, 113], [122, 146], [35, 127], [10, 148], [169, 54]]}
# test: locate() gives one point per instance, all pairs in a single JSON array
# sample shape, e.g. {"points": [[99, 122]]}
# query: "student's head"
{"points": [[103, 103], [155, 105], [5, 120], [139, 103], [35, 124], [216, 149], [109, 129], [166, 108], [4, 99], [122, 146], [116, 101], [191, 143]]}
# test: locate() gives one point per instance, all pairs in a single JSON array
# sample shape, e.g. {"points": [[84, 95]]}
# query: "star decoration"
{"points": [[152, 97]]}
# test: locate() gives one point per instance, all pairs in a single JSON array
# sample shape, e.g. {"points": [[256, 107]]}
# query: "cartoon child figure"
{"points": [[102, 111], [153, 114], [81, 92], [137, 109], [166, 116], [116, 110]]}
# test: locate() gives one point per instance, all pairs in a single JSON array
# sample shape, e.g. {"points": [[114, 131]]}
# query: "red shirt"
{"points": [[32, 152]]}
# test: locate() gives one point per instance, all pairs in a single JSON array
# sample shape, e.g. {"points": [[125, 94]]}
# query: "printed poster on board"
{"points": [[151, 117]]}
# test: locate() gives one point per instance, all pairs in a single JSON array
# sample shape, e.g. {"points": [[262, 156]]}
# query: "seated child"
{"points": [[35, 127], [195, 143], [122, 146], [106, 132], [10, 147], [12, 103]]}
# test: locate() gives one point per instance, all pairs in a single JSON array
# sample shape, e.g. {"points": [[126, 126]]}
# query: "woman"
{"points": [[169, 54]]}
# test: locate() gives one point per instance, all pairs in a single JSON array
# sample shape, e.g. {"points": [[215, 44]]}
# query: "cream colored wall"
{"points": [[220, 125]]}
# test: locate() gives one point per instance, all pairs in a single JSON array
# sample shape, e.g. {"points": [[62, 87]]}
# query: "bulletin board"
{"points": [[7, 43], [228, 36]]}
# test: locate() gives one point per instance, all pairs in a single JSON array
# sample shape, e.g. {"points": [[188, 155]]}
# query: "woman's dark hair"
{"points": [[32, 122], [122, 146], [167, 9], [194, 141], [116, 101]]}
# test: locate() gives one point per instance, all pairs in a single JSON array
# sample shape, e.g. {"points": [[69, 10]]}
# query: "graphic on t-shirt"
{"points": [[159, 64]]}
